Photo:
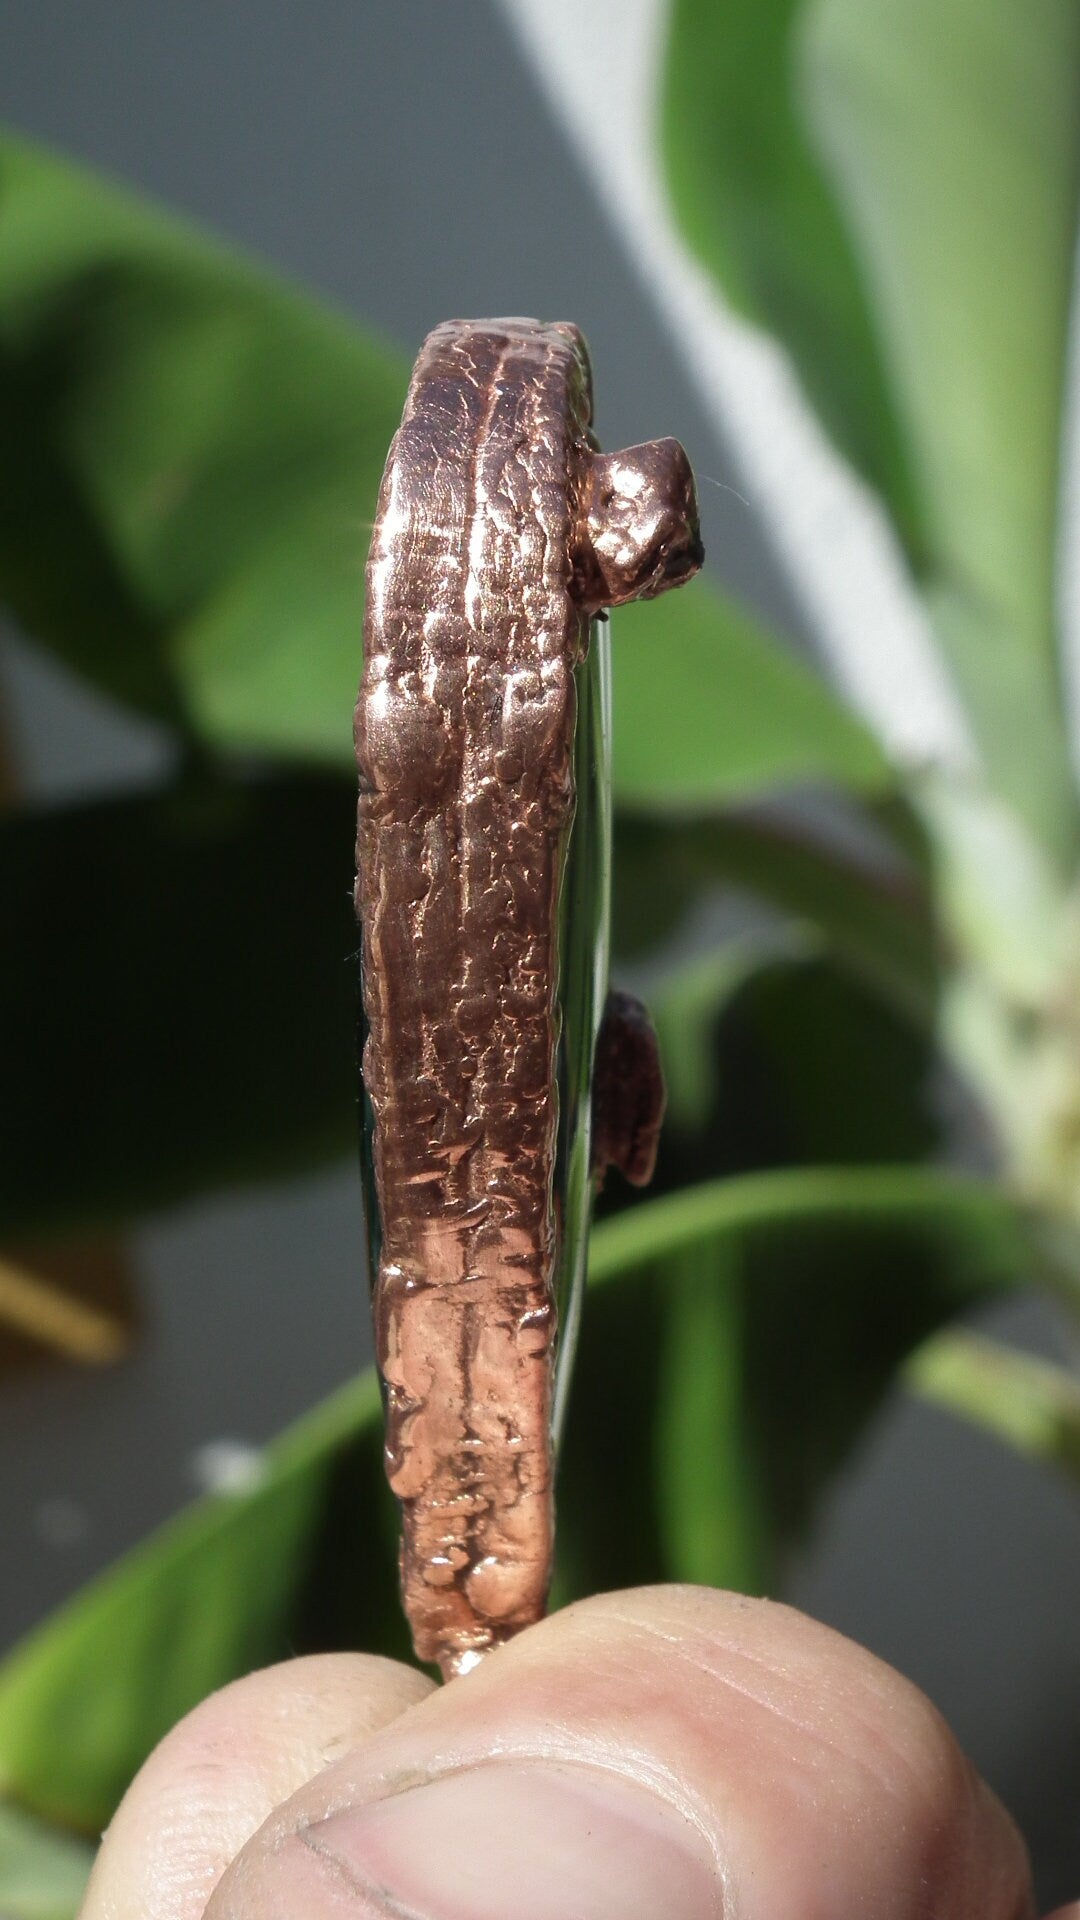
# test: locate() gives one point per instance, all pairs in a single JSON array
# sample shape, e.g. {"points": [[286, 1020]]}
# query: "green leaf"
{"points": [[679, 1499], [190, 452], [709, 708], [840, 1272], [189, 956], [805, 1290], [951, 131], [1031, 1405], [869, 904], [208, 1597], [714, 1528], [976, 1223], [688, 999], [753, 201], [890, 187], [205, 447], [43, 1872], [192, 456], [998, 894], [815, 1069], [755, 1009]]}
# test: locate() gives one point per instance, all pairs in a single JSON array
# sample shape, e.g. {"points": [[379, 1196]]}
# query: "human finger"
{"points": [[669, 1751], [214, 1779]]}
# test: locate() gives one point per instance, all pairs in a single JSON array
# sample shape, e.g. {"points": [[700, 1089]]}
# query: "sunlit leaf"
{"points": [[891, 189], [951, 130], [189, 456], [193, 452], [709, 708], [752, 198]]}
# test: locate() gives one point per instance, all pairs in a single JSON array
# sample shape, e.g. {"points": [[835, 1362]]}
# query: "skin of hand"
{"points": [[663, 1754]]}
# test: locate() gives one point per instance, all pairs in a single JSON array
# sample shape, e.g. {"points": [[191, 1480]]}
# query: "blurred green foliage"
{"points": [[189, 455]]}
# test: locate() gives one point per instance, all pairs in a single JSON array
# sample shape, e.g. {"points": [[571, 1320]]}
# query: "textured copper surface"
{"points": [[500, 530]]}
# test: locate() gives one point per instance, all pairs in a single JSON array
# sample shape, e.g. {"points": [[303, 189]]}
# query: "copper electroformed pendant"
{"points": [[482, 852]]}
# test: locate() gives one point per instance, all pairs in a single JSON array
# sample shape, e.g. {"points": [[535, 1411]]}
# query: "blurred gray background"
{"points": [[399, 159]]}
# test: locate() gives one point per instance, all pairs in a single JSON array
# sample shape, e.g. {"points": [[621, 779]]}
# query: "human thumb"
{"points": [[671, 1751]]}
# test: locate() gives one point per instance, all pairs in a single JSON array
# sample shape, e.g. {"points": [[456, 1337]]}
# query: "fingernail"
{"points": [[535, 1840]]}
